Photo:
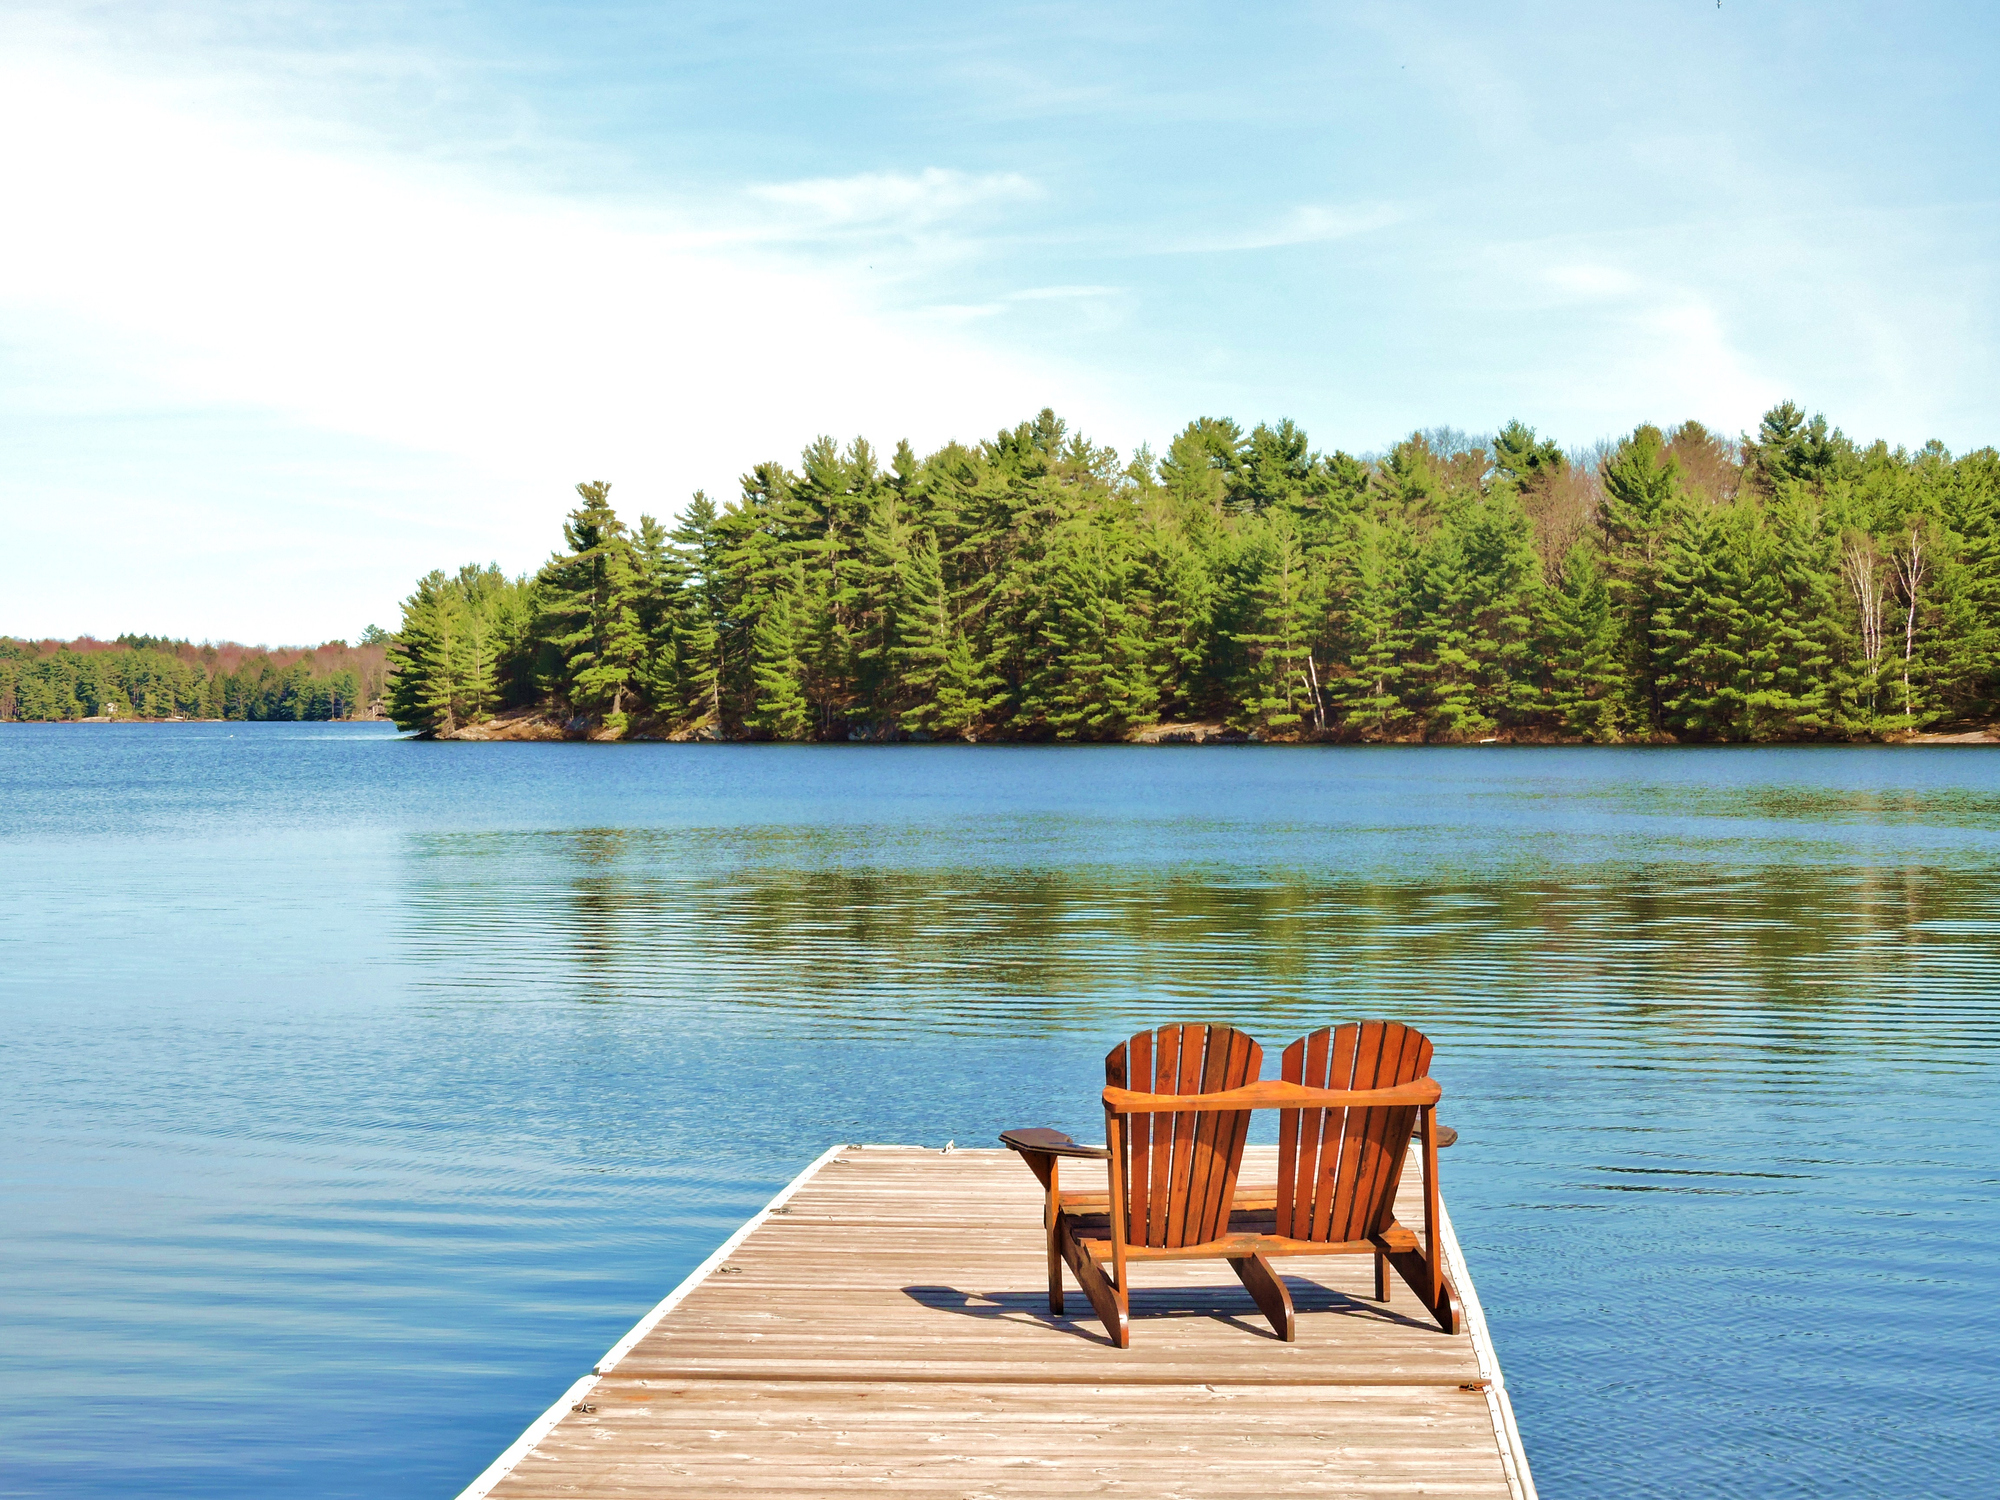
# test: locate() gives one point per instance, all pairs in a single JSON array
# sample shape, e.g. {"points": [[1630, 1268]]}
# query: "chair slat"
{"points": [[1289, 1069], [1230, 1137], [1166, 1079], [1134, 1061], [1186, 1080], [1181, 1165], [1204, 1164], [1342, 1045], [1357, 1156], [1379, 1138]]}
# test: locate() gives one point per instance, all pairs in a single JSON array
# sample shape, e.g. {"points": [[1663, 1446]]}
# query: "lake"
{"points": [[358, 1093]]}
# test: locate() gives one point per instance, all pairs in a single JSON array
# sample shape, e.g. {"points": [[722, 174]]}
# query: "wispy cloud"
{"points": [[895, 200], [373, 299], [1062, 293], [1654, 342], [1590, 282], [1308, 224], [505, 338]]}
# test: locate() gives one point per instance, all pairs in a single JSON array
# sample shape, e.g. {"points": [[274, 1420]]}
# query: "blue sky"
{"points": [[299, 300]]}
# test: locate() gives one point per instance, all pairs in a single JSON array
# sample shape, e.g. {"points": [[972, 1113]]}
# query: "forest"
{"points": [[152, 677], [1672, 586]]}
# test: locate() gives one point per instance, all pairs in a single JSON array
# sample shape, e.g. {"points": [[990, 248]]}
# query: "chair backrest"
{"points": [[1338, 1169], [1180, 1168]]}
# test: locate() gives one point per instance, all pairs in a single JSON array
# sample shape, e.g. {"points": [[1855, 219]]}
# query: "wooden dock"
{"points": [[883, 1328]]}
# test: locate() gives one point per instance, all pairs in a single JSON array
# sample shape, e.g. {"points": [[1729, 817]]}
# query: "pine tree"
{"points": [[1369, 591], [1697, 632], [932, 657], [1279, 687], [473, 669], [897, 574], [423, 689], [1587, 689], [1642, 495], [1520, 458], [1016, 586], [1792, 696], [700, 627], [1174, 579], [591, 606], [1095, 682], [1500, 551], [779, 643], [1446, 666], [662, 600]]}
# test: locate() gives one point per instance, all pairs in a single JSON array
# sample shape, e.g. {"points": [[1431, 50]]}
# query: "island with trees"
{"points": [[1673, 586]]}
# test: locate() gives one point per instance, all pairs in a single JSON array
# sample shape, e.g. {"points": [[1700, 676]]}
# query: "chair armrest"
{"points": [[1048, 1142], [1446, 1135]]}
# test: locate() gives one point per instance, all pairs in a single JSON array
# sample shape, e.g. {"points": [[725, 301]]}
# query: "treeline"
{"points": [[152, 677], [1673, 585]]}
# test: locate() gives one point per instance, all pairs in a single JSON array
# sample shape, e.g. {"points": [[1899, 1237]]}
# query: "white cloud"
{"points": [[368, 298], [1308, 224], [1062, 293], [896, 200], [518, 340], [1588, 281], [1654, 345]]}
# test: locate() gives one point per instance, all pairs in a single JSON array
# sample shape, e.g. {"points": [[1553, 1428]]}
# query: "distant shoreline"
{"points": [[534, 725], [526, 727], [137, 719]]}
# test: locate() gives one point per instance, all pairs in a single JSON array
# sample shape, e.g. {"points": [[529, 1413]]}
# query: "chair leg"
{"points": [[1381, 1277], [1268, 1290], [1055, 1273], [1415, 1268], [1108, 1301]]}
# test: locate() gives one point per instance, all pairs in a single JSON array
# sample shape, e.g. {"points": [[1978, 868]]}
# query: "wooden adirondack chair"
{"points": [[1176, 1111]]}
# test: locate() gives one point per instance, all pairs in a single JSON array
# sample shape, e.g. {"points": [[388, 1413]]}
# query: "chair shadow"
{"points": [[1226, 1303]]}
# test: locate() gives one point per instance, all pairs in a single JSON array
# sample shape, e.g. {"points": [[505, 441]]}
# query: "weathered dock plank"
{"points": [[884, 1327]]}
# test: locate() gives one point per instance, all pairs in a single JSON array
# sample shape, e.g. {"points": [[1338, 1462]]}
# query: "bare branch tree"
{"points": [[1859, 568], [1910, 566], [1561, 504]]}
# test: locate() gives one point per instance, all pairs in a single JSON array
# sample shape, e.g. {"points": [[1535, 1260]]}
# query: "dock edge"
{"points": [[545, 1423], [1512, 1453]]}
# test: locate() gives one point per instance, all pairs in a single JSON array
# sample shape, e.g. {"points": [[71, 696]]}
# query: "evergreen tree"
{"points": [[1179, 593], [1587, 690], [1370, 619], [1642, 495], [423, 688], [1790, 694], [701, 628], [1520, 458], [1095, 683], [591, 603], [933, 657], [779, 644], [1279, 686], [1699, 626]]}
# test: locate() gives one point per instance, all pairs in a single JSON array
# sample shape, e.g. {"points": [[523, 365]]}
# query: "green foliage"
{"points": [[461, 650], [1037, 585], [1586, 684], [1519, 457], [153, 677]]}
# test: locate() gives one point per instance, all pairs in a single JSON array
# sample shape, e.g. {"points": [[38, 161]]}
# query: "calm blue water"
{"points": [[358, 1093]]}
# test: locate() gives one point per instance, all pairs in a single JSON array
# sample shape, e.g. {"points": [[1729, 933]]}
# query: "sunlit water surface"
{"points": [[358, 1093]]}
